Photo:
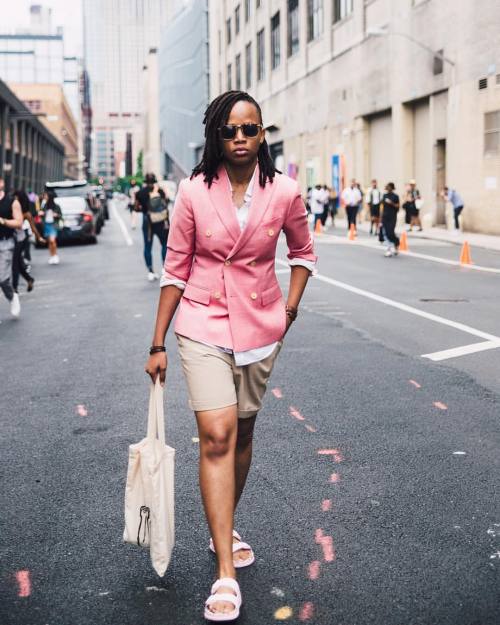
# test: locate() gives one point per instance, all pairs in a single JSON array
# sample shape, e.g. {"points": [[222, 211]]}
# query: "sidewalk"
{"points": [[486, 241]]}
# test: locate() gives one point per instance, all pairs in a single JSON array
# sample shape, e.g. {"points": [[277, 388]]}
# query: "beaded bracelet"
{"points": [[155, 349]]}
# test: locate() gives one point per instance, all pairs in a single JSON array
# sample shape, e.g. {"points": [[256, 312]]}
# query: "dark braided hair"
{"points": [[216, 115]]}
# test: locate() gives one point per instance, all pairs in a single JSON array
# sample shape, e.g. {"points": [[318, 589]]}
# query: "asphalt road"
{"points": [[397, 522]]}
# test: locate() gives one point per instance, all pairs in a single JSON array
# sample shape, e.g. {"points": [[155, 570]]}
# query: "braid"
{"points": [[216, 115]]}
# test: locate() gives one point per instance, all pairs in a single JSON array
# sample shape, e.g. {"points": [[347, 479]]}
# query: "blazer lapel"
{"points": [[222, 200], [258, 206]]}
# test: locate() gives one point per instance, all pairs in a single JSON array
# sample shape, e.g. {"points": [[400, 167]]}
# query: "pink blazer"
{"points": [[232, 297]]}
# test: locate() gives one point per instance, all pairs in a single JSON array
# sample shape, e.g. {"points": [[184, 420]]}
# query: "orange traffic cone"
{"points": [[317, 227], [465, 257], [403, 242], [352, 233]]}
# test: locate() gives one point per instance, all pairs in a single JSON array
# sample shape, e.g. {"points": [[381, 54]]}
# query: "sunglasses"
{"points": [[229, 131]]}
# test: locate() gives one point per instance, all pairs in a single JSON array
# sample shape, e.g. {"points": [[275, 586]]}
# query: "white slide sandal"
{"points": [[235, 599], [238, 564]]}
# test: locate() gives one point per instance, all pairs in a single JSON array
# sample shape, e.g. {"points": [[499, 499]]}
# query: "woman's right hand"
{"points": [[157, 365]]}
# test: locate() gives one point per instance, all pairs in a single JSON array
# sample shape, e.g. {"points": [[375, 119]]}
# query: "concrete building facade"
{"points": [[49, 103], [152, 160], [184, 85], [373, 88], [117, 37]]}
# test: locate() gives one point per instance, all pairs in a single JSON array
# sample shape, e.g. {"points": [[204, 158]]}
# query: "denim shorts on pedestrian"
{"points": [[214, 381], [49, 231]]}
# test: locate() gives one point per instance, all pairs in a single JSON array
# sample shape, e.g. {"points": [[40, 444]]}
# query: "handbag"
{"points": [[149, 490]]}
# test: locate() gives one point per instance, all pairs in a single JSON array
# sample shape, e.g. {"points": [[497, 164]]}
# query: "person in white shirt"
{"points": [[317, 204], [374, 199], [352, 198]]}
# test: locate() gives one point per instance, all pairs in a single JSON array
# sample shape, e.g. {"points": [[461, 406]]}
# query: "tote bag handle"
{"points": [[156, 416]]}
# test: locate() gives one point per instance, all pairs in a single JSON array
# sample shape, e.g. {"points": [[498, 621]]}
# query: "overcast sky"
{"points": [[65, 13]]}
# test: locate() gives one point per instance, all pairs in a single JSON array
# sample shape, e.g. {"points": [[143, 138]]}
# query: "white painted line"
{"points": [[122, 225], [404, 307], [462, 351], [434, 259]]}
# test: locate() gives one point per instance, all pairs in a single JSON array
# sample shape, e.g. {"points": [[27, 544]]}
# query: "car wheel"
{"points": [[93, 239]]}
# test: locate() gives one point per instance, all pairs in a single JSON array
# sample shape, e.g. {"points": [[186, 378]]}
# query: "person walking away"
{"points": [[134, 187], [150, 229], [326, 197], [456, 201], [374, 199], [51, 219], [415, 203], [317, 205], [22, 238], [34, 205], [232, 319], [390, 210], [159, 217], [11, 219], [332, 205], [360, 205], [351, 196]]}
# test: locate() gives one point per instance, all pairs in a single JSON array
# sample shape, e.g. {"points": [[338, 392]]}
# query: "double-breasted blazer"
{"points": [[232, 297]]}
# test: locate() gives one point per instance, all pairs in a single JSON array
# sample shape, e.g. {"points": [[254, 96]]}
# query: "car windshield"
{"points": [[71, 205], [71, 191]]}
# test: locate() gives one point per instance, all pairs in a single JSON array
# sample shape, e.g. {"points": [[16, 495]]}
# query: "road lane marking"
{"points": [[296, 413], [462, 327], [284, 613], [326, 505], [121, 223], [306, 611], [277, 393], [415, 384], [313, 569], [334, 478], [81, 410], [24, 583], [434, 259], [455, 352]]}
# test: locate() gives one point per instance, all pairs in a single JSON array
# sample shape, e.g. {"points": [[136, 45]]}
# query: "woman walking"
{"points": [[51, 216], [22, 238], [11, 219], [232, 317]]}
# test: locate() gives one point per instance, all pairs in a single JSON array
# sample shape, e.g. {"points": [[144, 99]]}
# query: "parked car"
{"points": [[78, 221], [79, 188]]}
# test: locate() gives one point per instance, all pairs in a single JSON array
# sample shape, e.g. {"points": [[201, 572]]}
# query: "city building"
{"points": [[49, 103], [384, 89], [29, 154], [152, 160], [117, 38], [184, 86]]}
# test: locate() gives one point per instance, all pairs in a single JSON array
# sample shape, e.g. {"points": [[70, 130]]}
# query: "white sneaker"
{"points": [[15, 306], [51, 260], [388, 254], [152, 276], [55, 260]]}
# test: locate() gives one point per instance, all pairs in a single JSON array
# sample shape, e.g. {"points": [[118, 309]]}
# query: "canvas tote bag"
{"points": [[149, 491]]}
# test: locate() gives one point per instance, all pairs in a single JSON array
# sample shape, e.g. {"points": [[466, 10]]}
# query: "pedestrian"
{"points": [[11, 218], [325, 194], [51, 219], [458, 204], [317, 205], [374, 199], [332, 205], [351, 196], [360, 205], [22, 238], [413, 204], [232, 318], [34, 205], [390, 210], [308, 200], [151, 228], [134, 187]]}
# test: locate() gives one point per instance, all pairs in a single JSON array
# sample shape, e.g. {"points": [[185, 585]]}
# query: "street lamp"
{"points": [[385, 32]]}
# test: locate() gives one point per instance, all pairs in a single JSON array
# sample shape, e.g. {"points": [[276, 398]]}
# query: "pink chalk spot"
{"points": [[295, 413], [328, 452], [328, 550], [415, 384], [306, 611], [334, 478], [440, 405], [24, 583], [326, 505], [313, 569], [318, 535], [277, 393], [310, 428], [81, 410]]}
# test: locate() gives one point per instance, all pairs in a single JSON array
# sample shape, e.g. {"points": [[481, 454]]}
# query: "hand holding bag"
{"points": [[149, 492]]}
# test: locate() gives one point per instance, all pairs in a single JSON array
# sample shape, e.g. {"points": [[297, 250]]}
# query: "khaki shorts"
{"points": [[214, 381]]}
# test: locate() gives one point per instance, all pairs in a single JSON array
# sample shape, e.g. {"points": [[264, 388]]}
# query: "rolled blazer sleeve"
{"points": [[296, 229], [181, 240]]}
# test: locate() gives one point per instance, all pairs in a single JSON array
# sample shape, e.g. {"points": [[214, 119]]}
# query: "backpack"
{"points": [[158, 210]]}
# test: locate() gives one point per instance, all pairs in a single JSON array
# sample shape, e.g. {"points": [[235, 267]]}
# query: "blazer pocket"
{"points": [[271, 295], [197, 294]]}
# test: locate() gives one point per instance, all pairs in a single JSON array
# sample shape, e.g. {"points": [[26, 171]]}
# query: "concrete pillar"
{"points": [[3, 136], [22, 153]]}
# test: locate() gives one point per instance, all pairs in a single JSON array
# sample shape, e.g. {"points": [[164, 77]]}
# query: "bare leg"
{"points": [[243, 458], [217, 431]]}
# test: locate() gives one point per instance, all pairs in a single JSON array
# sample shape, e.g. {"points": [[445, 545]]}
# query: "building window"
{"points": [[248, 65], [293, 27], [260, 55], [229, 77], [237, 67], [248, 8], [275, 40], [314, 19], [237, 19], [438, 63], [228, 31], [492, 133], [341, 9]]}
